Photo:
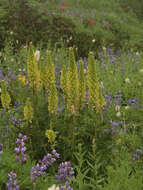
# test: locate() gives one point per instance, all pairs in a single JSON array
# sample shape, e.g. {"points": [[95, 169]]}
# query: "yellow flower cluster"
{"points": [[50, 134], [82, 84], [74, 84], [51, 85], [22, 79], [5, 97], [96, 98], [69, 83], [28, 111], [32, 70]]}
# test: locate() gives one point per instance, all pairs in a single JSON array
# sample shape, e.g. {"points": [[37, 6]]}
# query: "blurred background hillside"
{"points": [[85, 24]]}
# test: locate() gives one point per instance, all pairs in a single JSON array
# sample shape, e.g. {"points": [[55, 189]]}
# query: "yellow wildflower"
{"points": [[22, 79], [50, 134], [5, 97], [28, 111]]}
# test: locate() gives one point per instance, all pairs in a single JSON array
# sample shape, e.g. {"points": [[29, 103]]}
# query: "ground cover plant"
{"points": [[75, 114], [71, 95]]}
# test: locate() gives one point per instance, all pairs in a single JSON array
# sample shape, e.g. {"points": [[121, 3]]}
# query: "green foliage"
{"points": [[123, 175], [106, 149]]}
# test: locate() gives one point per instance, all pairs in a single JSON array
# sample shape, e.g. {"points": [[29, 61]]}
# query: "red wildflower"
{"points": [[107, 26], [65, 3], [62, 8], [91, 21], [46, 12]]}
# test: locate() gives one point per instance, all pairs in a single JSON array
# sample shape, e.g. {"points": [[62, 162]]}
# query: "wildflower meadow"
{"points": [[71, 95]]}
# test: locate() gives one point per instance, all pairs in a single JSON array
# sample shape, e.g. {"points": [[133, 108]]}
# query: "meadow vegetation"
{"points": [[71, 95]]}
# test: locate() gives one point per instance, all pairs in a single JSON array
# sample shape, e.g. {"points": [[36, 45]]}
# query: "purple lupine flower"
{"points": [[102, 55], [37, 171], [40, 168], [59, 109], [65, 172], [133, 102], [65, 187], [105, 131], [115, 124], [1, 75], [12, 184], [1, 147], [117, 98], [85, 64], [108, 98], [15, 121], [21, 148], [87, 96], [49, 159], [55, 154], [113, 131], [139, 151], [58, 85], [118, 53], [135, 157], [78, 65]]}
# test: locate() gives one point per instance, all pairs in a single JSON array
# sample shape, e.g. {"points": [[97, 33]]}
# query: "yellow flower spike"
{"points": [[96, 98], [51, 85], [72, 77], [63, 80], [22, 79], [119, 140], [32, 70], [50, 134], [52, 99], [28, 111], [42, 74], [82, 84], [65, 85], [5, 97]]}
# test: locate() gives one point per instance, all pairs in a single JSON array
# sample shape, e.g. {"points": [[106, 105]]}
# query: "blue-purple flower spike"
{"points": [[21, 148], [12, 183], [65, 172]]}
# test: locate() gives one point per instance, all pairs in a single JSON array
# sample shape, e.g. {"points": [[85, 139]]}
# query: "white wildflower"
{"points": [[127, 107], [117, 108], [102, 85], [12, 60], [127, 80], [53, 187], [118, 114], [85, 71], [93, 40], [104, 48], [37, 55]]}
